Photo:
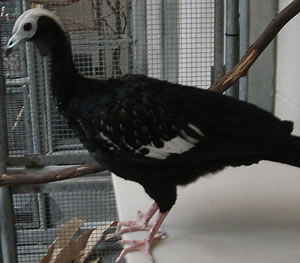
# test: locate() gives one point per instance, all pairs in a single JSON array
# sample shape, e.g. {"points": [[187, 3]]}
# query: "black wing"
{"points": [[140, 116]]}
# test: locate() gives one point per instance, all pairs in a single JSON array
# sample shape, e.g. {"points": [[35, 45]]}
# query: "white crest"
{"points": [[32, 15]]}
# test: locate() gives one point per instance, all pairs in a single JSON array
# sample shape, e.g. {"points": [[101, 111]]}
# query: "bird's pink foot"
{"points": [[141, 223], [153, 235], [131, 226], [141, 245]]}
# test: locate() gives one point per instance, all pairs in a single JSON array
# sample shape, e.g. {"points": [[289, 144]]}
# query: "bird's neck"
{"points": [[63, 73]]}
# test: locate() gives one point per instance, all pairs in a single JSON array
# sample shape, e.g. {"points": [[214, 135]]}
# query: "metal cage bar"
{"points": [[232, 41], [7, 229], [169, 40], [244, 43], [218, 68], [139, 29]]}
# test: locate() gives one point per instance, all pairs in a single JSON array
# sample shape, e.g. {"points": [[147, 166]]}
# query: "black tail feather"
{"points": [[288, 152]]}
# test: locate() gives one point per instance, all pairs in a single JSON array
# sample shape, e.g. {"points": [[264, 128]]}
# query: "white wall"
{"points": [[287, 99]]}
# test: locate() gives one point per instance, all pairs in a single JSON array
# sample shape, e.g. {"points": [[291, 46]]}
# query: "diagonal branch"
{"points": [[255, 50], [241, 69]]}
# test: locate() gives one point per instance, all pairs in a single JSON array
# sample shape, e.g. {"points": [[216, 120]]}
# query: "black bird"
{"points": [[158, 134]]}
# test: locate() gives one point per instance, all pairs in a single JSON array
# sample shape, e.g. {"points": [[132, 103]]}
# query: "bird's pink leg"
{"points": [[144, 245], [141, 223]]}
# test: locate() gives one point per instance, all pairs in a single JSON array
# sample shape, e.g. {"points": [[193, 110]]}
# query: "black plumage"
{"points": [[153, 132]]}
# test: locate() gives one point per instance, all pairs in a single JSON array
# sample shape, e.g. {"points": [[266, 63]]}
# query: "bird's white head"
{"points": [[27, 25]]}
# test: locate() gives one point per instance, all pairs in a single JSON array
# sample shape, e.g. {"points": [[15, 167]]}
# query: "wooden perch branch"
{"points": [[62, 174], [241, 69], [255, 50]]}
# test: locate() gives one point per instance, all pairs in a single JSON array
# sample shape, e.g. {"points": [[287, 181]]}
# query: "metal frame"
{"points": [[7, 229], [244, 43], [218, 69], [169, 47], [262, 76], [139, 29], [232, 41]]}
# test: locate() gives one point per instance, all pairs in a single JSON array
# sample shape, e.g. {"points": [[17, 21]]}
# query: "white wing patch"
{"points": [[195, 129], [105, 138], [177, 145]]}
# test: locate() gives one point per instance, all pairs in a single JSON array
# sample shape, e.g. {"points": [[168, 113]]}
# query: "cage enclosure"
{"points": [[172, 40]]}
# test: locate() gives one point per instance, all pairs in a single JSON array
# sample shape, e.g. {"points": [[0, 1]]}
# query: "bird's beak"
{"points": [[13, 43]]}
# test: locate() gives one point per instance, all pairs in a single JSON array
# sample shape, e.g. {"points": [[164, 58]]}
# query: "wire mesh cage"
{"points": [[171, 40], [64, 222], [98, 32]]}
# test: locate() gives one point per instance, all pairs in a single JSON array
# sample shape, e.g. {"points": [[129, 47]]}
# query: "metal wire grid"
{"points": [[180, 40], [17, 135], [41, 217], [170, 40], [98, 31], [196, 42]]}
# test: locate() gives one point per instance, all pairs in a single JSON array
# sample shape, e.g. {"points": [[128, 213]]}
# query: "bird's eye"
{"points": [[27, 26]]}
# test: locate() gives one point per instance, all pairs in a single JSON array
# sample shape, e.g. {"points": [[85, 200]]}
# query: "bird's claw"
{"points": [[141, 224], [133, 226], [139, 215], [142, 245]]}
